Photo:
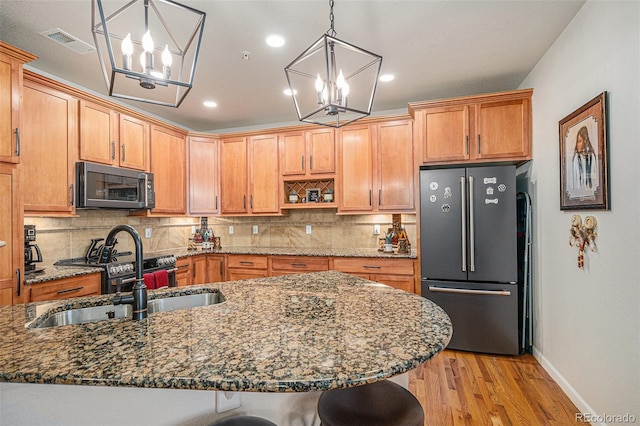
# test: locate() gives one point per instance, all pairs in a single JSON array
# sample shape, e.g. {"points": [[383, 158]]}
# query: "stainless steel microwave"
{"points": [[101, 186]]}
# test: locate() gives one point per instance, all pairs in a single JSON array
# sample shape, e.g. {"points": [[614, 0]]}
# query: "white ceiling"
{"points": [[435, 49]]}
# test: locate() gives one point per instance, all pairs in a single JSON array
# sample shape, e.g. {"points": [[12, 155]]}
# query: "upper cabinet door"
{"points": [[11, 238], [395, 173], [321, 148], [168, 165], [234, 176], [293, 152], [503, 129], [98, 132], [264, 179], [356, 169], [203, 175], [49, 150], [10, 99], [133, 143], [445, 133]]}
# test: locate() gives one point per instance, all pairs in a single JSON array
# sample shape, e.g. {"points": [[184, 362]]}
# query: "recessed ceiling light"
{"points": [[275, 40], [210, 104], [288, 92], [386, 77]]}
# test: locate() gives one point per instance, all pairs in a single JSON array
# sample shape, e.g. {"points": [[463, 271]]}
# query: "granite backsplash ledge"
{"points": [[61, 238]]}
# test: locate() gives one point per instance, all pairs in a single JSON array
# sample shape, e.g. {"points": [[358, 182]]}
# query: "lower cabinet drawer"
{"points": [[85, 285], [299, 264], [246, 261], [361, 265]]}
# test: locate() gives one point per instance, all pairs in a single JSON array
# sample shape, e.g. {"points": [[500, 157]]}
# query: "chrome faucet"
{"points": [[138, 297]]}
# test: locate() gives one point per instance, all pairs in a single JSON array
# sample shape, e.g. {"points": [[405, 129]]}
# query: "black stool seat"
{"points": [[243, 421], [380, 403]]}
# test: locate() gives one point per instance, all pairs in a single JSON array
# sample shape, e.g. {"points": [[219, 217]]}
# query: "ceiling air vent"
{"points": [[67, 40]]}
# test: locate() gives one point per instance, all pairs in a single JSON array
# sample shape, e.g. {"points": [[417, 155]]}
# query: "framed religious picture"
{"points": [[583, 157], [313, 195]]}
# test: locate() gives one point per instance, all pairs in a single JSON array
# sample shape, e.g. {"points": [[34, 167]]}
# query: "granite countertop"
{"points": [[297, 333], [52, 272]]}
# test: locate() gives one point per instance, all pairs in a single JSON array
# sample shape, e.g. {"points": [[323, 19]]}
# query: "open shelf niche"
{"points": [[301, 187]]}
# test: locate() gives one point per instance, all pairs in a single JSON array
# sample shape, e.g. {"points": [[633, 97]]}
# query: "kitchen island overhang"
{"points": [[296, 333]]}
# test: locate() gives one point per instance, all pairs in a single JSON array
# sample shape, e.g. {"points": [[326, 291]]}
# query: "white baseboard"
{"points": [[583, 407]]}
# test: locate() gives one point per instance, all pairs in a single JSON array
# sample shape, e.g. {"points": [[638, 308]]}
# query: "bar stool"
{"points": [[243, 421], [382, 403]]}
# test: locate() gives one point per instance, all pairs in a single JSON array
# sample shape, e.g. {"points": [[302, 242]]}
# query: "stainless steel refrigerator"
{"points": [[469, 254]]}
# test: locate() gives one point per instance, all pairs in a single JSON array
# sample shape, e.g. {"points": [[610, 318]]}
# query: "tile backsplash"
{"points": [[62, 238]]}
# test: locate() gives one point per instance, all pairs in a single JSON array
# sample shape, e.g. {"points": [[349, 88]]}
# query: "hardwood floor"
{"points": [[463, 388]]}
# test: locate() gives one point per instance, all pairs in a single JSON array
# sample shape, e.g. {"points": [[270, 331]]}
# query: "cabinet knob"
{"points": [[3, 243]]}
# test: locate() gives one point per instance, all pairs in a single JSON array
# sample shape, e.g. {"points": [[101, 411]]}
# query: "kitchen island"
{"points": [[298, 333]]}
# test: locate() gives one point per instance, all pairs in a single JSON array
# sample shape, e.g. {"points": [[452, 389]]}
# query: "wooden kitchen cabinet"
{"points": [[49, 150], [285, 265], [308, 154], [398, 273], [376, 171], [215, 268], [355, 169], [11, 62], [198, 269], [108, 137], [11, 237], [183, 272], [249, 179], [168, 165], [242, 267], [79, 286], [203, 175], [481, 128]]}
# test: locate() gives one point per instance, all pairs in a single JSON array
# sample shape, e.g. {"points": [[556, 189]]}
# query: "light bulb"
{"points": [[147, 42], [143, 61], [127, 50], [127, 45], [167, 59], [340, 82], [320, 89]]}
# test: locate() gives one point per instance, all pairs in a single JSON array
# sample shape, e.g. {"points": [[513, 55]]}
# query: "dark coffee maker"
{"points": [[31, 258]]}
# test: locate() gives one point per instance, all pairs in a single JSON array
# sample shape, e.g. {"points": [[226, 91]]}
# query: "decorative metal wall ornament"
{"points": [[148, 49], [583, 235], [333, 83]]}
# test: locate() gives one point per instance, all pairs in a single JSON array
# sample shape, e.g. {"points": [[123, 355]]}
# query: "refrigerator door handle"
{"points": [[465, 291], [463, 197], [472, 236]]}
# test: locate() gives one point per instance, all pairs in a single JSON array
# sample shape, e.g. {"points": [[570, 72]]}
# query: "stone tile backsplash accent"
{"points": [[62, 238]]}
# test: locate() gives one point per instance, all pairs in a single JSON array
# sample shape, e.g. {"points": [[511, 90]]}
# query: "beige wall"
{"points": [[63, 238]]}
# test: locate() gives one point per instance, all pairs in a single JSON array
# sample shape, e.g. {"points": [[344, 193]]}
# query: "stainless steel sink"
{"points": [[166, 304], [85, 315]]}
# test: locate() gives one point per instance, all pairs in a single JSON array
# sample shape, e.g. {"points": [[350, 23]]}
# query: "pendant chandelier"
{"points": [[148, 49], [333, 82]]}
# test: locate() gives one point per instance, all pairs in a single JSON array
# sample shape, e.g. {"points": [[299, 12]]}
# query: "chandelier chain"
{"points": [[331, 31]]}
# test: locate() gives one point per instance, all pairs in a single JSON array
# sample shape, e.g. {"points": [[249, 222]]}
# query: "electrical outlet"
{"points": [[255, 229], [376, 229], [230, 229], [309, 229], [147, 232]]}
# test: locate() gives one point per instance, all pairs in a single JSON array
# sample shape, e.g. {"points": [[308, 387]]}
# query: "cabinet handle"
{"points": [[311, 162], [123, 153], [371, 267], [251, 201], [478, 144], [370, 197], [113, 150], [244, 202], [69, 290], [19, 276], [302, 162], [246, 262], [300, 265], [466, 146], [221, 269], [194, 272], [71, 195], [216, 203], [380, 196], [17, 142]]}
